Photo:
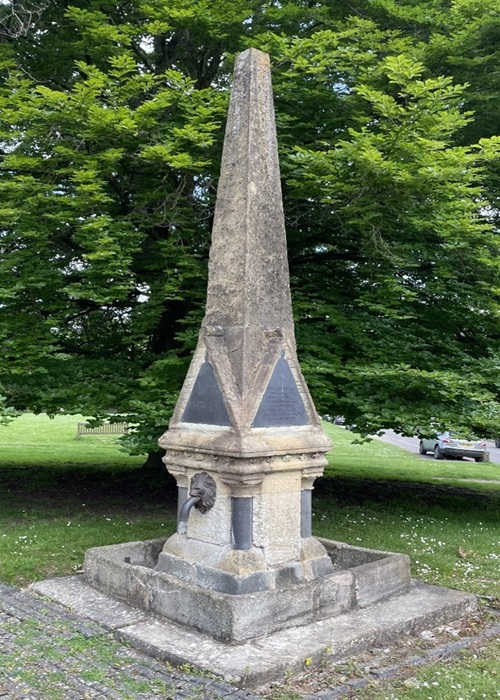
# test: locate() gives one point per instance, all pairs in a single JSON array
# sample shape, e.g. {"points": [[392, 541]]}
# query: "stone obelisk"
{"points": [[243, 589], [245, 428]]}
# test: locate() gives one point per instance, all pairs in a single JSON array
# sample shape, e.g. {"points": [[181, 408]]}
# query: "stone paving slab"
{"points": [[259, 661], [50, 653], [73, 592], [268, 658]]}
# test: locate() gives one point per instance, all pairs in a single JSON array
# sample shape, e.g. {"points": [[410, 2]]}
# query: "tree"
{"points": [[111, 125], [389, 216]]}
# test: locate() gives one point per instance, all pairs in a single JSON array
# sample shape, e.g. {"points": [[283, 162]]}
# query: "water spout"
{"points": [[184, 514]]}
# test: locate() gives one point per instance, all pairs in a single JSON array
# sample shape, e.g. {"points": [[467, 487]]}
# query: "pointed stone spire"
{"points": [[249, 288], [245, 375], [245, 421]]}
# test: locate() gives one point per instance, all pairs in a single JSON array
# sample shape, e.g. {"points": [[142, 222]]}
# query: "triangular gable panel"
{"points": [[206, 405], [281, 404]]}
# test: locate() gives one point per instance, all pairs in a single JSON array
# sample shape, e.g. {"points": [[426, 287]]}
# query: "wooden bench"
{"points": [[104, 429]]}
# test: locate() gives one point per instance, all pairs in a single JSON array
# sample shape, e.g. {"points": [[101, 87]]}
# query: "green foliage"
{"points": [[7, 413], [394, 266], [111, 130]]}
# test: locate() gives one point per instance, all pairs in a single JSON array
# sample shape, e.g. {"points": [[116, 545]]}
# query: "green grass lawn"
{"points": [[452, 535], [61, 496], [474, 677], [39, 441]]}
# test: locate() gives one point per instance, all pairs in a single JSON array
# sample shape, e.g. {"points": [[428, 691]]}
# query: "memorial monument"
{"points": [[245, 416], [242, 588]]}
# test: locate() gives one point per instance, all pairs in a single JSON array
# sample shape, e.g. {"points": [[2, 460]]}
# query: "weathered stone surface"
{"points": [[244, 414], [277, 518], [181, 569], [246, 354], [314, 558], [289, 574], [273, 655], [242, 562], [75, 593], [335, 595], [245, 370], [381, 579], [213, 527], [248, 289], [242, 598], [346, 556], [253, 663], [191, 606], [217, 580]]}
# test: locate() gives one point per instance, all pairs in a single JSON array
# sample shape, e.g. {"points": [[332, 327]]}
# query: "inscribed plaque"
{"points": [[281, 404], [206, 404]]}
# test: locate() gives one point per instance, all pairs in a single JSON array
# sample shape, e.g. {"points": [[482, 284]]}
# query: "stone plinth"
{"points": [[279, 544], [254, 662]]}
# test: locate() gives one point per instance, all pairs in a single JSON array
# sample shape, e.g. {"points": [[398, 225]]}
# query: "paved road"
{"points": [[411, 444]]}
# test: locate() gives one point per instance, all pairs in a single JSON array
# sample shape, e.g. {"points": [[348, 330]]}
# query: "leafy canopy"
{"points": [[111, 126]]}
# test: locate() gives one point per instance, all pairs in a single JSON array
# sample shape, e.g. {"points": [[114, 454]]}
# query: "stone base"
{"points": [[356, 577], [256, 662], [233, 571]]}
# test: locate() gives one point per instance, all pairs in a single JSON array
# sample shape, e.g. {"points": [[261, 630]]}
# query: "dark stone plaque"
{"points": [[281, 404], [206, 404]]}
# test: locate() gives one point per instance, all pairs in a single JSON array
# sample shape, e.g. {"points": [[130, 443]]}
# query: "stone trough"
{"points": [[360, 577]]}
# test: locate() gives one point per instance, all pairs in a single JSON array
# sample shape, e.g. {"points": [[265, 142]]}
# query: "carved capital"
{"points": [[243, 485], [310, 474], [178, 471], [307, 482]]}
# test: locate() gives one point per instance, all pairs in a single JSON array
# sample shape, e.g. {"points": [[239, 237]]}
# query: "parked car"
{"points": [[449, 444]]}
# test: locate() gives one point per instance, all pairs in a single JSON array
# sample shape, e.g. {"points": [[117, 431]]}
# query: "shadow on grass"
{"points": [[354, 491], [51, 516], [143, 488], [63, 488]]}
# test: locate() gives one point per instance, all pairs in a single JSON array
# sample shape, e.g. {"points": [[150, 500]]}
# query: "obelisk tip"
{"points": [[253, 54]]}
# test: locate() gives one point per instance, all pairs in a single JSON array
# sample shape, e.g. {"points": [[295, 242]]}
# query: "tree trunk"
{"points": [[153, 470]]}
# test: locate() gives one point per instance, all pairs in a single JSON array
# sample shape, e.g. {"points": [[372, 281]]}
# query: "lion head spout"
{"points": [[203, 487]]}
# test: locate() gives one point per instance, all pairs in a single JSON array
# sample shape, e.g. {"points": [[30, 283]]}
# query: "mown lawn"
{"points": [[61, 496], [383, 497], [33, 441]]}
